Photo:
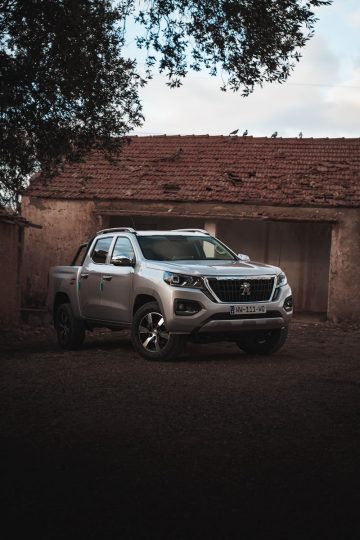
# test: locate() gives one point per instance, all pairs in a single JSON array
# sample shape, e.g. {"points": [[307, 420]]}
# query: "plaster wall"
{"points": [[10, 259], [65, 225]]}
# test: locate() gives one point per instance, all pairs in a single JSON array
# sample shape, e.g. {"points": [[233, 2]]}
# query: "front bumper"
{"points": [[215, 317], [242, 325]]}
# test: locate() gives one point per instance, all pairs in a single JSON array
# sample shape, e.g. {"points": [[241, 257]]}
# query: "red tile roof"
{"points": [[309, 172]]}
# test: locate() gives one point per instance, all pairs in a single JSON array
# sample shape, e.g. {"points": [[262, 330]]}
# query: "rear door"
{"points": [[90, 279]]}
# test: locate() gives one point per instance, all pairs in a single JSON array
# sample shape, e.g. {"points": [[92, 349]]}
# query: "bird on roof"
{"points": [[274, 135], [234, 132], [300, 135], [245, 133]]}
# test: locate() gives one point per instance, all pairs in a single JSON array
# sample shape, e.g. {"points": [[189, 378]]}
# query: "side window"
{"points": [[123, 248], [101, 249]]}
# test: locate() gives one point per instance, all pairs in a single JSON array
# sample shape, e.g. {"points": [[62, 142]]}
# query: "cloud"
{"points": [[199, 106], [344, 103], [307, 103], [353, 18]]}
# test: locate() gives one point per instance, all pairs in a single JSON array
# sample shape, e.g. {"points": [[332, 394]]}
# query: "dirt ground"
{"points": [[15, 340], [99, 443]]}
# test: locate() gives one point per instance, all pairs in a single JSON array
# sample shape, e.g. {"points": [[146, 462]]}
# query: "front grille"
{"points": [[242, 290]]}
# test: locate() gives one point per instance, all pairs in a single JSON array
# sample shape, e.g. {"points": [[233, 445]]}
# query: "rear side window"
{"points": [[101, 249], [79, 258]]}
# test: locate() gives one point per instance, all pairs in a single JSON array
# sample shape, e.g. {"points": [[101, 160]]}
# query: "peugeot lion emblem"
{"points": [[245, 288]]}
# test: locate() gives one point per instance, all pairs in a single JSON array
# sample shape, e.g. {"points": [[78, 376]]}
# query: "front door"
{"points": [[117, 284]]}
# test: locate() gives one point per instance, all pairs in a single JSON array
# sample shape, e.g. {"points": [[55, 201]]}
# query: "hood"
{"points": [[215, 268]]}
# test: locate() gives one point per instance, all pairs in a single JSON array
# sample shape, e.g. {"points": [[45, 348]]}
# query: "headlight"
{"points": [[281, 280], [181, 280]]}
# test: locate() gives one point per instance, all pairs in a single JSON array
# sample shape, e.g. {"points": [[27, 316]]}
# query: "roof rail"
{"points": [[192, 230], [117, 229]]}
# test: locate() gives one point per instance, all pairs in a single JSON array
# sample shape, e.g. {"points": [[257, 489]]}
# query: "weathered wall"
{"points": [[10, 260], [65, 225], [344, 288]]}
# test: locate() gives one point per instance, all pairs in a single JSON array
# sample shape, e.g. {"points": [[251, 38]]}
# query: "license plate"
{"points": [[248, 309]]}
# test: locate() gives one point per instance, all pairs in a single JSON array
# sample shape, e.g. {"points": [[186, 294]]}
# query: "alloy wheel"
{"points": [[64, 326], [152, 332]]}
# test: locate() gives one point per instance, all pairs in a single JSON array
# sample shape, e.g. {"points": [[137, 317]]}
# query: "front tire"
{"points": [[70, 331], [265, 342], [150, 337]]}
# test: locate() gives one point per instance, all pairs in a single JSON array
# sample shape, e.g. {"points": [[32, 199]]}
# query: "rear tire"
{"points": [[70, 331], [150, 337], [265, 342]]}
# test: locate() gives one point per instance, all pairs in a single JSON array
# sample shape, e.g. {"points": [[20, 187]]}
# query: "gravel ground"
{"points": [[102, 444]]}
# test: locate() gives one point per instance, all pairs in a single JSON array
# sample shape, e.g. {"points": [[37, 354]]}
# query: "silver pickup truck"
{"points": [[169, 287]]}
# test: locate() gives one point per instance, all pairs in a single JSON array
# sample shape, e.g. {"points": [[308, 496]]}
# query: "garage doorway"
{"points": [[301, 249]]}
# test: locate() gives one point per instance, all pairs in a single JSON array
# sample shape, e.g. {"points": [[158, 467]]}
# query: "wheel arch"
{"points": [[60, 298], [142, 299]]}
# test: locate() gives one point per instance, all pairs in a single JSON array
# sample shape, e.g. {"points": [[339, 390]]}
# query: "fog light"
{"points": [[288, 304], [186, 307]]}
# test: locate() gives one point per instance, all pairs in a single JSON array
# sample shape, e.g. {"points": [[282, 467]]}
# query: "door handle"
{"points": [[107, 278], [84, 276]]}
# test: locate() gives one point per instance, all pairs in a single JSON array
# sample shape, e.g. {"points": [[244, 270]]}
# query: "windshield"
{"points": [[183, 248]]}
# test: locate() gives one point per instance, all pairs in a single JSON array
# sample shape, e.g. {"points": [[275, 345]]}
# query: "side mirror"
{"points": [[121, 260], [244, 258]]}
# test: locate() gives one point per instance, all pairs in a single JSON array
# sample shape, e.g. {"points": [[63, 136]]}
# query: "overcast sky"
{"points": [[320, 99]]}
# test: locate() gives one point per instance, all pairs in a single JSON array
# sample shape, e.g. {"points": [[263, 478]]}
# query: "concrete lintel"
{"points": [[225, 211]]}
